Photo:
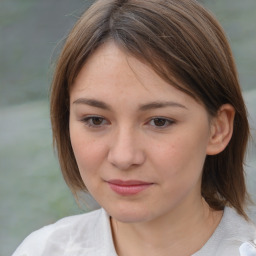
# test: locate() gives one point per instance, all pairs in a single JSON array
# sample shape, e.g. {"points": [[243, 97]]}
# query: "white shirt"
{"points": [[90, 235]]}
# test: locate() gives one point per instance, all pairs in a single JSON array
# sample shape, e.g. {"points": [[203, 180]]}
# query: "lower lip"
{"points": [[128, 189]]}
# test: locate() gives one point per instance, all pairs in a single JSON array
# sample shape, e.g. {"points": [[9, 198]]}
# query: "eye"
{"points": [[160, 122], [95, 121]]}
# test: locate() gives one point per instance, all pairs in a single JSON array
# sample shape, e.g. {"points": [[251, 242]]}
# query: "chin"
{"points": [[130, 214]]}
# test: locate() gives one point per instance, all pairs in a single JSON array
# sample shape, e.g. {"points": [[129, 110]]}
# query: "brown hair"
{"points": [[187, 47]]}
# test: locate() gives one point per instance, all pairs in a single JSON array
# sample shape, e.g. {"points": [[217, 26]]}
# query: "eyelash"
{"points": [[88, 121], [167, 122]]}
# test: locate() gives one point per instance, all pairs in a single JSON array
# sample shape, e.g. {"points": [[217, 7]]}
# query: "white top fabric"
{"points": [[90, 235]]}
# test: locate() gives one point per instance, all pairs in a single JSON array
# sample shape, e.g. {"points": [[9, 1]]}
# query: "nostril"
{"points": [[124, 158], [121, 160]]}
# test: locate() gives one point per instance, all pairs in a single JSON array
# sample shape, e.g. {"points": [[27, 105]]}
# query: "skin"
{"points": [[118, 131]]}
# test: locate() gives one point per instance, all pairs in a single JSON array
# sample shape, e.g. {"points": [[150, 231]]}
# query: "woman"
{"points": [[148, 117]]}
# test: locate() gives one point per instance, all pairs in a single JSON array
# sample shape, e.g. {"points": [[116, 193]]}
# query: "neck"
{"points": [[159, 238]]}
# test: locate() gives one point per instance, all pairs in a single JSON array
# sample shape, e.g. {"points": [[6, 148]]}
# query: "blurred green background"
{"points": [[32, 191]]}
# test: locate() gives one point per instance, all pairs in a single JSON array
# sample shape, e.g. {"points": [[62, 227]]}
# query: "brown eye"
{"points": [[160, 121], [97, 120]]}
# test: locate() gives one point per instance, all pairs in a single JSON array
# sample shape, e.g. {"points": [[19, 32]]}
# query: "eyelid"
{"points": [[87, 121], [169, 121]]}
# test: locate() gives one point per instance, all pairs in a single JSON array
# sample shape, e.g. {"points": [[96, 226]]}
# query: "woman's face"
{"points": [[140, 144]]}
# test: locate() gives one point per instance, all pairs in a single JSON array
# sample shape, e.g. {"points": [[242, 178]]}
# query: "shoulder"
{"points": [[235, 227], [68, 236], [232, 232], [237, 233]]}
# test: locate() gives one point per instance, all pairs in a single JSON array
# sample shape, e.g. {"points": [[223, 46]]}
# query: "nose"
{"points": [[126, 150]]}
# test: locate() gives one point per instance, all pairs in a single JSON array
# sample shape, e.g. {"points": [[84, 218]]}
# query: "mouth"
{"points": [[129, 187]]}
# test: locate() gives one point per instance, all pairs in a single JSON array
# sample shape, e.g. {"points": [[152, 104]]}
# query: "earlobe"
{"points": [[221, 129]]}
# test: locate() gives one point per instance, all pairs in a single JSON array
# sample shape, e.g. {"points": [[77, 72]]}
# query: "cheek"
{"points": [[89, 153], [179, 164], [182, 156], [89, 157]]}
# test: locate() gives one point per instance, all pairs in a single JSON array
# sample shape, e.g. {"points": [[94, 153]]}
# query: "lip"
{"points": [[128, 187]]}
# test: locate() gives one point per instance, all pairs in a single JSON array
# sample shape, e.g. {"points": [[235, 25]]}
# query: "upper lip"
{"points": [[128, 182]]}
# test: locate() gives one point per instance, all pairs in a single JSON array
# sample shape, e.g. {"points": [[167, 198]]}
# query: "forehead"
{"points": [[111, 68]]}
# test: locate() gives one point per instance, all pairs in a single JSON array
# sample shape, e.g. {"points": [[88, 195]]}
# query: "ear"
{"points": [[221, 129]]}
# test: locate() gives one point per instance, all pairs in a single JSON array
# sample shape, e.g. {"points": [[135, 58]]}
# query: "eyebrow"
{"points": [[160, 104], [93, 103], [143, 107]]}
